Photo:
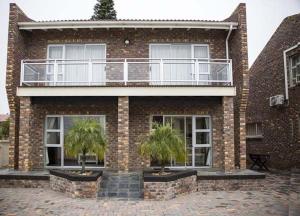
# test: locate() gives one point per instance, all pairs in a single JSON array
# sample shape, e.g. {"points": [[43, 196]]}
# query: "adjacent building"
{"points": [[273, 112], [127, 74]]}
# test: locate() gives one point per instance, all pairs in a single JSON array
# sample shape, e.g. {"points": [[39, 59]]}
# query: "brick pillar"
{"points": [[242, 153], [228, 133], [25, 145], [123, 133]]}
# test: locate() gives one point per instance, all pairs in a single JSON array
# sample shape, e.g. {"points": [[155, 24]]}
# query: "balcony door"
{"points": [[77, 64], [178, 63]]}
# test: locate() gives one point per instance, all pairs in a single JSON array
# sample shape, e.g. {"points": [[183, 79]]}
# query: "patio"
{"points": [[272, 200]]}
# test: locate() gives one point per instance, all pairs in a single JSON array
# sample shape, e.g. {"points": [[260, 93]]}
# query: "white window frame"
{"points": [[61, 145], [63, 45], [193, 138], [192, 45], [293, 80]]}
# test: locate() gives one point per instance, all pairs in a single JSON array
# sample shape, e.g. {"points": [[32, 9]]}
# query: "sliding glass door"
{"points": [[196, 131], [56, 127]]}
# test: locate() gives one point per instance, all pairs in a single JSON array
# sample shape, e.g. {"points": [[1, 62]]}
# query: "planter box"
{"points": [[169, 186], [75, 186]]}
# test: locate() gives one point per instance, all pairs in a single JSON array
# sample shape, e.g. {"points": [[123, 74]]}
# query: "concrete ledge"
{"points": [[148, 177], [238, 174], [73, 177]]}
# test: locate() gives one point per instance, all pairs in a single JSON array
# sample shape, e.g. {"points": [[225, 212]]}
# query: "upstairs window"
{"points": [[254, 130], [294, 70]]}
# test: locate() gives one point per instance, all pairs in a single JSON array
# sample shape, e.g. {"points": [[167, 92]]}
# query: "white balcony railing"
{"points": [[138, 71]]}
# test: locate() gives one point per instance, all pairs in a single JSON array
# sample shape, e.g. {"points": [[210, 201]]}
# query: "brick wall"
{"points": [[16, 51], [239, 54], [281, 132]]}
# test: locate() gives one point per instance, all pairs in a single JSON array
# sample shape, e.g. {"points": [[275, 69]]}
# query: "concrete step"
{"points": [[121, 185]]}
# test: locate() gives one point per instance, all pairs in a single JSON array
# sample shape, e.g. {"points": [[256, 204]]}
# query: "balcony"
{"points": [[126, 72]]}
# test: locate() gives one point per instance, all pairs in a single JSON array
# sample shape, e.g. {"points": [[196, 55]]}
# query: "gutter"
{"points": [[285, 69], [229, 33], [125, 24]]}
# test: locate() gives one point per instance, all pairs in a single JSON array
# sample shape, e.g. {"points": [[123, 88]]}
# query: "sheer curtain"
{"points": [[55, 52], [181, 69], [94, 52], [159, 51], [201, 52], [74, 71]]}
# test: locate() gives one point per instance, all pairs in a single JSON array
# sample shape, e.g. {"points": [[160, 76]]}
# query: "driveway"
{"points": [[271, 201]]}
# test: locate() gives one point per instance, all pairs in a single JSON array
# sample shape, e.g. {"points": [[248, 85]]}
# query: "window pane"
{"points": [[53, 123], [203, 156], [189, 140], [202, 138], [53, 138], [53, 156], [202, 123]]}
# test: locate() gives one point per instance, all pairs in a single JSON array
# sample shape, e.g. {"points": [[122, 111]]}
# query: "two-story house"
{"points": [[273, 112], [127, 74]]}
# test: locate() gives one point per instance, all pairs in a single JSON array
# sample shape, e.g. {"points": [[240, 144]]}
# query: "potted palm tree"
{"points": [[85, 137], [163, 144]]}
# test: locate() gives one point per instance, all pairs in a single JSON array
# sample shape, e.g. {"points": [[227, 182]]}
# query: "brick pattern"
{"points": [[170, 190], [123, 133], [75, 189], [22, 183], [16, 51], [239, 54], [280, 126], [228, 135], [231, 185], [26, 146]]}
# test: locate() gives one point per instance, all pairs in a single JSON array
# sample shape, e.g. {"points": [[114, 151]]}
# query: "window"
{"points": [[177, 66], [294, 70], [73, 67], [254, 130], [56, 127], [196, 131]]}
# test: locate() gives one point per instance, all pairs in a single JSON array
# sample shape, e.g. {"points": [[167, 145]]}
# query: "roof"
{"points": [[127, 23], [3, 117]]}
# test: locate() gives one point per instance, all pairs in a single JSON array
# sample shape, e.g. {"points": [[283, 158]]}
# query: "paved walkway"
{"points": [[272, 201]]}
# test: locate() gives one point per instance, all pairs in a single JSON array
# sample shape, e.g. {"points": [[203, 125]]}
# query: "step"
{"points": [[127, 185]]}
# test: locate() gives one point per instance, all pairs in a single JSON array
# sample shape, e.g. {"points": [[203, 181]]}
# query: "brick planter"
{"points": [[169, 186], [75, 186]]}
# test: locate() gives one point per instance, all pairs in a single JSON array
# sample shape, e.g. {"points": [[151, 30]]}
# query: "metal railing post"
{"points": [[161, 71], [90, 71], [22, 73], [197, 71], [55, 72], [125, 71]]}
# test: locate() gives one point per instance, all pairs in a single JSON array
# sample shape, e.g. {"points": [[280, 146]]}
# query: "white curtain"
{"points": [[55, 53], [159, 51], [201, 52], [181, 69], [74, 71], [96, 52]]}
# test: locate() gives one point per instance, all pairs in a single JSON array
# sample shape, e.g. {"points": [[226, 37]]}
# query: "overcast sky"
{"points": [[263, 18]]}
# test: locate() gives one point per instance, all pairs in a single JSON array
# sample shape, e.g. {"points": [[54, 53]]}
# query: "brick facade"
{"points": [[280, 125], [127, 119]]}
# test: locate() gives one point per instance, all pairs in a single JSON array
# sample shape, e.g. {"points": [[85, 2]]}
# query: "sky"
{"points": [[263, 17]]}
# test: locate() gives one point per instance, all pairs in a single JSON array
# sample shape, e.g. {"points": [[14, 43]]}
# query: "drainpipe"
{"points": [[227, 51], [285, 69]]}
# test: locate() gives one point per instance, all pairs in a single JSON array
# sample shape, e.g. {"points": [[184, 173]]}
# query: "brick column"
{"points": [[25, 145], [228, 133], [123, 133]]}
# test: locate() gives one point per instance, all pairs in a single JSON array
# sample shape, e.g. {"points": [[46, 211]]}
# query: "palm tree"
{"points": [[163, 144], [4, 129], [85, 137]]}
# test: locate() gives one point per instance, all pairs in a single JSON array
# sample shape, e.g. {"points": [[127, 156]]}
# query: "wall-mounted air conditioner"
{"points": [[276, 100]]}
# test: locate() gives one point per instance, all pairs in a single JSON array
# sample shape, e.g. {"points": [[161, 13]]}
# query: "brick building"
{"points": [[273, 112], [127, 74]]}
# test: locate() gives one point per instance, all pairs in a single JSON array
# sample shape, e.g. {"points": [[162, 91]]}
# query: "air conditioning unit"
{"points": [[276, 100]]}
